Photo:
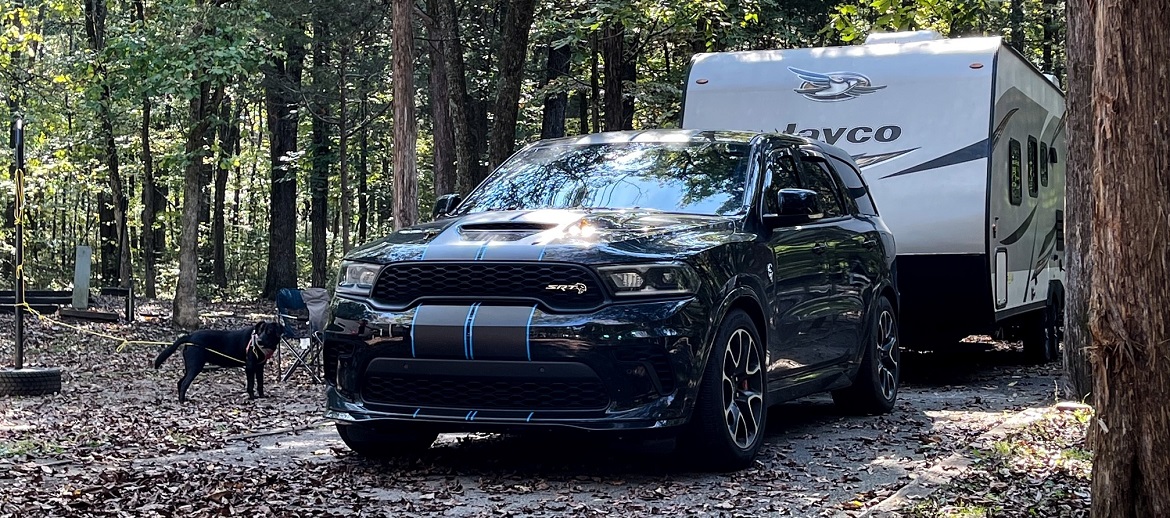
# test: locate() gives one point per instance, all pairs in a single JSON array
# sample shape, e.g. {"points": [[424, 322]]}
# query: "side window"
{"points": [[1015, 186], [780, 173], [819, 179], [1033, 187], [1044, 164], [855, 187]]}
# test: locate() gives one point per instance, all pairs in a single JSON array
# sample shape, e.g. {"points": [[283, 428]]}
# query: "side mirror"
{"points": [[445, 204], [795, 207]]}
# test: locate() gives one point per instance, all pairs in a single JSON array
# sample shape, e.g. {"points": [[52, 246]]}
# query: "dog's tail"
{"points": [[166, 353]]}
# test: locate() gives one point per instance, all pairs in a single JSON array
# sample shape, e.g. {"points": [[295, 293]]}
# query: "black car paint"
{"points": [[812, 308]]}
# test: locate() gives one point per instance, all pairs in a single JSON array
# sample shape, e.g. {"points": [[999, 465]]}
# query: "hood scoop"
{"points": [[502, 230]]}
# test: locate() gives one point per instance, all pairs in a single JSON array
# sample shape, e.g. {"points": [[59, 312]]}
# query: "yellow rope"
{"points": [[122, 342]]}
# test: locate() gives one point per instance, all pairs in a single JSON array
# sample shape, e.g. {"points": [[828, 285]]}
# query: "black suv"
{"points": [[670, 280]]}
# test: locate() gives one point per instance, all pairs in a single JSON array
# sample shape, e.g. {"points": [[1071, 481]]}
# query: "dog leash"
{"points": [[251, 346]]}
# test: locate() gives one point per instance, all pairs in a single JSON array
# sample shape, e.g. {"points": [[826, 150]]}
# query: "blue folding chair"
{"points": [[304, 314]]}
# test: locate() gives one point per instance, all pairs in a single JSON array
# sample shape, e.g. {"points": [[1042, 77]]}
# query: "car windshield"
{"points": [[686, 177]]}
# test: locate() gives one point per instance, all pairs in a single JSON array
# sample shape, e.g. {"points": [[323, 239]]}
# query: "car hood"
{"points": [[580, 236]]}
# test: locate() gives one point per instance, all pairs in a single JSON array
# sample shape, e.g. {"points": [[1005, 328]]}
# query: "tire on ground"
{"points": [[875, 389], [29, 382]]}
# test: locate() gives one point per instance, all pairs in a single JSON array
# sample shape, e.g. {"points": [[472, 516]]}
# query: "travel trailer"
{"points": [[962, 143]]}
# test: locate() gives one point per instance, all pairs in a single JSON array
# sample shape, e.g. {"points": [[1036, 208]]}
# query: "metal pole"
{"points": [[18, 133]]}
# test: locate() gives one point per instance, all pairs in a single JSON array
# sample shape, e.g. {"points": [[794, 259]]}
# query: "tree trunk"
{"points": [[1016, 21], [555, 105], [1049, 35], [629, 76], [405, 125], [613, 53], [594, 82], [322, 157], [517, 25], [446, 173], [185, 307], [150, 245], [282, 88], [1078, 224], [582, 113], [1130, 277], [229, 132], [345, 200], [466, 162], [363, 189]]}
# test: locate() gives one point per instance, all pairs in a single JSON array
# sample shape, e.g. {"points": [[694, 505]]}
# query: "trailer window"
{"points": [[1015, 193], [1044, 164], [1033, 187]]}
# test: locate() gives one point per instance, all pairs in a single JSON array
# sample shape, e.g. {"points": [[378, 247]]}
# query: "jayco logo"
{"points": [[855, 135], [833, 86]]}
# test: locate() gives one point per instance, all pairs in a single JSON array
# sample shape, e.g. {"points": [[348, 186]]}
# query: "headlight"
{"points": [[650, 279], [357, 278]]}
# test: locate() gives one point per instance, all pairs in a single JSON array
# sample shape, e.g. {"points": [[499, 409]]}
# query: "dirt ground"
{"points": [[115, 441]]}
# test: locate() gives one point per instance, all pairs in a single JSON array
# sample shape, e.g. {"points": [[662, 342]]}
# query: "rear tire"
{"points": [[1042, 338], [875, 389], [727, 426], [369, 441]]}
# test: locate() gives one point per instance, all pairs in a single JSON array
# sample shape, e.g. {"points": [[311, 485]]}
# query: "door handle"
{"points": [[819, 248]]}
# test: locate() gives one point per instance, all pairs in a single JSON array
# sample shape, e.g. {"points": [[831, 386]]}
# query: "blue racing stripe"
{"points": [[528, 334], [412, 319], [479, 254], [530, 414], [416, 411], [471, 330]]}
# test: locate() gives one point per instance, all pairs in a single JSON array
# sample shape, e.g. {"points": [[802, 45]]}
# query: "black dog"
{"points": [[250, 348]]}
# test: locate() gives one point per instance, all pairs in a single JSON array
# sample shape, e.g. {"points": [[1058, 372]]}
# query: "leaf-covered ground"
{"points": [[115, 442]]}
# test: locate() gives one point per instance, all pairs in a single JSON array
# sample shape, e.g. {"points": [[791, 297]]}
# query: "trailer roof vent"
{"points": [[902, 37]]}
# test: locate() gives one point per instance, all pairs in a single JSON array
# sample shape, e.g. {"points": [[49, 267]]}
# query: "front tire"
{"points": [[727, 426], [875, 389], [372, 442]]}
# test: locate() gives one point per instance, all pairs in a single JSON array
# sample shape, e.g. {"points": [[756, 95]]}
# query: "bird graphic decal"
{"points": [[833, 86]]}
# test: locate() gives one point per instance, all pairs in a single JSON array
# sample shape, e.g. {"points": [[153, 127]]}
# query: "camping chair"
{"points": [[303, 313]]}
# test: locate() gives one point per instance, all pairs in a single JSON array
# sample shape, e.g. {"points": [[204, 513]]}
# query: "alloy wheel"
{"points": [[743, 388], [888, 354]]}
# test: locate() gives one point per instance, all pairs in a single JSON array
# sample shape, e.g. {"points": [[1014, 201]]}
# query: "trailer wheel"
{"points": [[29, 382], [1042, 335]]}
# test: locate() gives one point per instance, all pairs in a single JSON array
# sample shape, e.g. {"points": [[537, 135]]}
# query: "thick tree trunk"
{"points": [[466, 161], [1130, 278], [405, 125], [203, 106], [282, 86], [582, 113], [517, 25], [555, 105], [444, 132], [322, 155], [613, 53], [629, 76], [1079, 194]]}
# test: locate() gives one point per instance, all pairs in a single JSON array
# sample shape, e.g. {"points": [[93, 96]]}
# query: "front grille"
{"points": [[653, 354], [485, 394], [402, 284]]}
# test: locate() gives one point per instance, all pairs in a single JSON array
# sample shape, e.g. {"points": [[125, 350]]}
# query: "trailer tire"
{"points": [[29, 382], [1042, 335]]}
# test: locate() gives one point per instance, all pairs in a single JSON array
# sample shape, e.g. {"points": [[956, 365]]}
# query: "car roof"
{"points": [[689, 135]]}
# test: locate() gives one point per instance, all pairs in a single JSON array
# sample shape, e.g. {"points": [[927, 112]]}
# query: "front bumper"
{"points": [[469, 367]]}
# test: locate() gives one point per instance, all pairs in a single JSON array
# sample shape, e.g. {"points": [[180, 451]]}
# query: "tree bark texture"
{"points": [[613, 53], [229, 135], [282, 87], [555, 105], [322, 156], [203, 105], [442, 127], [150, 202], [1128, 317], [1078, 199], [465, 158], [514, 50], [405, 125]]}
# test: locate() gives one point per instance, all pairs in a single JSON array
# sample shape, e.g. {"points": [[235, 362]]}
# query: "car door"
{"points": [[838, 313], [799, 286]]}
